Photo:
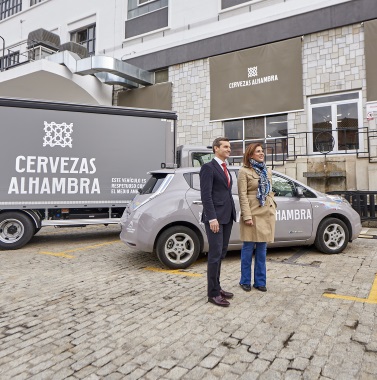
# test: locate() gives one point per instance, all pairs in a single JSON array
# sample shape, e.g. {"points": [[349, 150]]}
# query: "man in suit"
{"points": [[218, 215]]}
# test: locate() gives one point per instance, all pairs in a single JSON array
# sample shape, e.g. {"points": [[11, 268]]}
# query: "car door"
{"points": [[294, 216], [194, 201]]}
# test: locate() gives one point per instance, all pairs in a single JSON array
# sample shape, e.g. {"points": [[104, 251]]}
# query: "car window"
{"points": [[153, 183], [194, 181], [283, 187]]}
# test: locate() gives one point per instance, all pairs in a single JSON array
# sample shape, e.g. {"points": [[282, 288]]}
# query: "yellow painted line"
{"points": [[372, 298], [173, 271], [64, 253], [57, 254]]}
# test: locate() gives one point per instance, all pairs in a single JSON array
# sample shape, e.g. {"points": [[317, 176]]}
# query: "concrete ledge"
{"points": [[324, 175]]}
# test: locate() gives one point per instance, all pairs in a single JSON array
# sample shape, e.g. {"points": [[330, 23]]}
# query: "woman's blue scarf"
{"points": [[264, 183]]}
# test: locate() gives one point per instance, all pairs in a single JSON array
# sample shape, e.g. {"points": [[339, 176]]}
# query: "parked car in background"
{"points": [[165, 217]]}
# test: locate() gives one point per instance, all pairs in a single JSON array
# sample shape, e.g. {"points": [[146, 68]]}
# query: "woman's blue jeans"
{"points": [[259, 250]]}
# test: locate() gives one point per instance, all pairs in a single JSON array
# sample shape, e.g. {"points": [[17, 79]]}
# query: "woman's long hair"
{"points": [[249, 153]]}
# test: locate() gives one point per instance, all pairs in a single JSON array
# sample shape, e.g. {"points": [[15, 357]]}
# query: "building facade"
{"points": [[298, 76]]}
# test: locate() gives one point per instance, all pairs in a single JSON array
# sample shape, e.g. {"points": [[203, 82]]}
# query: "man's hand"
{"points": [[249, 222], [214, 226]]}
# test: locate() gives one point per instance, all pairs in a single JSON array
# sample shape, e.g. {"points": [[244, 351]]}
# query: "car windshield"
{"points": [[153, 183]]}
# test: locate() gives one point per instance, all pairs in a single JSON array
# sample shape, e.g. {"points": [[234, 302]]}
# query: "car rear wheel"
{"points": [[332, 236], [178, 247]]}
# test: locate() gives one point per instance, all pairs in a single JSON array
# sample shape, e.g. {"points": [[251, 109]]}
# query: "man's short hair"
{"points": [[217, 142]]}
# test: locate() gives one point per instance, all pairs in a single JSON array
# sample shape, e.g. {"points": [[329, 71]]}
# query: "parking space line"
{"points": [[64, 253], [367, 236], [57, 255], [173, 271], [372, 298]]}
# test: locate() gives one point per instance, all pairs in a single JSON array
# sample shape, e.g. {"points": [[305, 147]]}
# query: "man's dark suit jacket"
{"points": [[216, 196]]}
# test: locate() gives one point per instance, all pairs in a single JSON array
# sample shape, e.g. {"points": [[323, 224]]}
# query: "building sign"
{"points": [[371, 109], [158, 97], [370, 28], [257, 81]]}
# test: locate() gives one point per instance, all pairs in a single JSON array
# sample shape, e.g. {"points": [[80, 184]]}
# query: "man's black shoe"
{"points": [[226, 295], [219, 301]]}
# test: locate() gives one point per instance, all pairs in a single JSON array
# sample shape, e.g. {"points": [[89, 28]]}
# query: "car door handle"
{"points": [[197, 202]]}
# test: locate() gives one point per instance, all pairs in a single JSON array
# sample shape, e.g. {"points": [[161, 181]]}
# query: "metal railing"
{"points": [[361, 142], [24, 54]]}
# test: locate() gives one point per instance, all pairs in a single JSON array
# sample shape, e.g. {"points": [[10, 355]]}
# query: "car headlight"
{"points": [[338, 199]]}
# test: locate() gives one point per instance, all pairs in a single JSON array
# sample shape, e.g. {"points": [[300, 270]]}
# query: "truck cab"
{"points": [[193, 156]]}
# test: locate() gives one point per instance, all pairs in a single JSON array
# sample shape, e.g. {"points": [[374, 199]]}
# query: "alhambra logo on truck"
{"points": [[34, 170], [58, 134]]}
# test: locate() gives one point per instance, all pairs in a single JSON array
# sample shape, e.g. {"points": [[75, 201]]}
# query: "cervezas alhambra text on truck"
{"points": [[69, 164]]}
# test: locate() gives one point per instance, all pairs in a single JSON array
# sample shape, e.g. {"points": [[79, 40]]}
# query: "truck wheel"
{"points": [[178, 247], [332, 236], [36, 230], [16, 229]]}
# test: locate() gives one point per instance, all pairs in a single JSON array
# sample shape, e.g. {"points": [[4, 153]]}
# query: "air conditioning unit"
{"points": [[74, 47], [42, 37]]}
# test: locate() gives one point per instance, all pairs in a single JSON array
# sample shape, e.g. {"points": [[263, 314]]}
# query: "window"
{"points": [[33, 2], [334, 122], [232, 3], [140, 7], [9, 8], [86, 37], [161, 76], [13, 58], [271, 131], [199, 159]]}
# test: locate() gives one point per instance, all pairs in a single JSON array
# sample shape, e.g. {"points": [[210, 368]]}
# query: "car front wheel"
{"points": [[332, 236], [178, 247]]}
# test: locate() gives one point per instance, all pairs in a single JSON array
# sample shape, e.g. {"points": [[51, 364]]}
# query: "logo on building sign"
{"points": [[252, 72], [58, 134]]}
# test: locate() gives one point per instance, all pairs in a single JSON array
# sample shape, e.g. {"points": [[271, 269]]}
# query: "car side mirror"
{"points": [[299, 192]]}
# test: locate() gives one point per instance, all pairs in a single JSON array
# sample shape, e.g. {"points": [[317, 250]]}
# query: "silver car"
{"points": [[165, 217]]}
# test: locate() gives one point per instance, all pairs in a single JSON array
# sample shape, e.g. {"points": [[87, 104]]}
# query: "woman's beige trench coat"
{"points": [[263, 228]]}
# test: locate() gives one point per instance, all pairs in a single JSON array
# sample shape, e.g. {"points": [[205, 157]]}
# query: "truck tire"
{"points": [[178, 247], [16, 229], [332, 236], [36, 230]]}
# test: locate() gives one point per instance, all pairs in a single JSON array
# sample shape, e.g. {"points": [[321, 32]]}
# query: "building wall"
{"points": [[333, 62]]}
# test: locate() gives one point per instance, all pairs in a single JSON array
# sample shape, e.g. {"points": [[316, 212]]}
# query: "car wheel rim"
{"points": [[11, 230], [179, 248], [334, 236]]}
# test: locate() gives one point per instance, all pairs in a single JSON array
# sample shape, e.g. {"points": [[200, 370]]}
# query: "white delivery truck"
{"points": [[73, 165]]}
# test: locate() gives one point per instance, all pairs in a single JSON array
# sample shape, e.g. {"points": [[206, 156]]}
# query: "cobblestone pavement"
{"points": [[78, 304]]}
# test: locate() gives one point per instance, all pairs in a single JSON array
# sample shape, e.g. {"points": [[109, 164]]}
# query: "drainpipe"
{"points": [[3, 67]]}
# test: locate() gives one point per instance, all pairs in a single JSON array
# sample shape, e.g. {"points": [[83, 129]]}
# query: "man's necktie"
{"points": [[226, 172]]}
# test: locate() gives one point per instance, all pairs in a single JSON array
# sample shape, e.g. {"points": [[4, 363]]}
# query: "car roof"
{"points": [[233, 167]]}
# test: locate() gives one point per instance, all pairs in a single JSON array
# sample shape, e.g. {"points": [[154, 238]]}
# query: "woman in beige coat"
{"points": [[257, 224]]}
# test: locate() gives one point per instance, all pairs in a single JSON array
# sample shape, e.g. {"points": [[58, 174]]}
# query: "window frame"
{"points": [[139, 4], [35, 2], [333, 107], [264, 140], [74, 34], [9, 8]]}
